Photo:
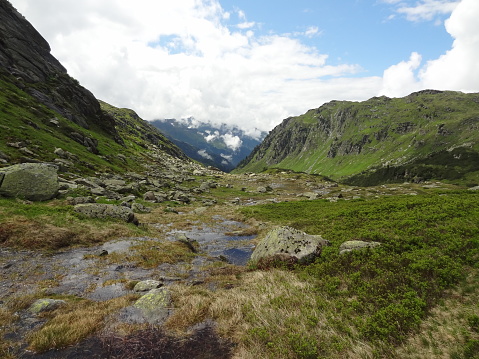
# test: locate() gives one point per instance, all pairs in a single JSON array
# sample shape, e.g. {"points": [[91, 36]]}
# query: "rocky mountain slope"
{"points": [[47, 116], [219, 146], [428, 134]]}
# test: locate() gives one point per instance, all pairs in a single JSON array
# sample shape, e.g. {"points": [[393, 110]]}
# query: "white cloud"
{"points": [[205, 154], [401, 79], [457, 69], [228, 158], [423, 10], [176, 59], [231, 141]]}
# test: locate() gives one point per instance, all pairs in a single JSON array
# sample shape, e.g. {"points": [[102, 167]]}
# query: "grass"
{"points": [[152, 253], [54, 225], [387, 302], [74, 322]]}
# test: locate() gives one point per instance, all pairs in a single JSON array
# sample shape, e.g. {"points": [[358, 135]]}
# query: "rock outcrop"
{"points": [[31, 181], [25, 55], [288, 244]]}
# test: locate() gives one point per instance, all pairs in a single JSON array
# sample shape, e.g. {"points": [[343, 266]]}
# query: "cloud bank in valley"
{"points": [[185, 58]]}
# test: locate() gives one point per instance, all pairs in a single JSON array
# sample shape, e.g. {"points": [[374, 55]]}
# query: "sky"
{"points": [[253, 63]]}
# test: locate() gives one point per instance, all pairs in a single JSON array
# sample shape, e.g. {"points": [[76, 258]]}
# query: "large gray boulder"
{"points": [[100, 210], [289, 244], [31, 181]]}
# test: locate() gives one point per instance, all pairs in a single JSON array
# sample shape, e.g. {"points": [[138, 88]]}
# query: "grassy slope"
{"points": [[23, 119], [457, 112]]}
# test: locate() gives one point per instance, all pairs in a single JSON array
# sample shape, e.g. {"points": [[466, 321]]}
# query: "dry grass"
{"points": [[151, 253], [270, 314], [74, 322], [445, 332], [39, 233], [6, 319]]}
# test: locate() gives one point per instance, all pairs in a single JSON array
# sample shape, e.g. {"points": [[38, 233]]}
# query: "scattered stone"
{"points": [[102, 253], [192, 244], [350, 246], [147, 285], [200, 210], [45, 305], [99, 210], [139, 208], [31, 181], [291, 242], [80, 200]]}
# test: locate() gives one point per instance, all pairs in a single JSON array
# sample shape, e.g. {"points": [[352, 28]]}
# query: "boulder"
{"points": [[31, 181], [45, 305], [154, 306], [289, 242], [100, 210], [350, 246]]}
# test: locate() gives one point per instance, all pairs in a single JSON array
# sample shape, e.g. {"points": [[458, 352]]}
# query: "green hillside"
{"points": [[32, 132], [428, 134]]}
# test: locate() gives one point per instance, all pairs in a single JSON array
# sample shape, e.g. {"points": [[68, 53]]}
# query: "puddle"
{"points": [[214, 242]]}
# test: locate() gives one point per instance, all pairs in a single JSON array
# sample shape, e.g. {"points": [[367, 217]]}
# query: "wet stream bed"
{"points": [[83, 272]]}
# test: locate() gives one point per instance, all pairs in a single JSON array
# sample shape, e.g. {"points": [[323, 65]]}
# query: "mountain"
{"points": [[42, 109], [219, 146], [428, 134]]}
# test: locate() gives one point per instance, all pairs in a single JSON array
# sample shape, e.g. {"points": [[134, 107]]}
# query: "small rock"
{"points": [[45, 305], [97, 210], [350, 246], [147, 285]]}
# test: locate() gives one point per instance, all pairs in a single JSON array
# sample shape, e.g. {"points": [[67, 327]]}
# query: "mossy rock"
{"points": [[30, 181], [147, 285], [289, 242], [154, 306], [45, 305]]}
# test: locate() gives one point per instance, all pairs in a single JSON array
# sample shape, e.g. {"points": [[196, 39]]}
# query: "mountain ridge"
{"points": [[220, 146], [381, 139]]}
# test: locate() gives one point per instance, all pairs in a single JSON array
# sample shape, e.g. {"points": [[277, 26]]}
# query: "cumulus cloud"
{"points": [[176, 59], [191, 58], [457, 69], [231, 141], [205, 154], [401, 78], [427, 9]]}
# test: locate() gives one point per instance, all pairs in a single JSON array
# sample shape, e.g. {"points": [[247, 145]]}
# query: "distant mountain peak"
{"points": [[222, 146]]}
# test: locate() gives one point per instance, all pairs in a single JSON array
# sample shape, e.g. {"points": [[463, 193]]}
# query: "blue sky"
{"points": [[365, 32], [254, 63]]}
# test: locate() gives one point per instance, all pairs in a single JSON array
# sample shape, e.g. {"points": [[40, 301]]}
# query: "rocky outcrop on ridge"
{"points": [[25, 56]]}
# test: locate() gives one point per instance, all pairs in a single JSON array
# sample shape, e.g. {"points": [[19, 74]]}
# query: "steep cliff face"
{"points": [[46, 116], [428, 134], [26, 60]]}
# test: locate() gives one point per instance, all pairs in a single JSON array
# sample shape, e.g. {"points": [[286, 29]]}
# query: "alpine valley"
{"points": [[220, 146], [348, 232]]}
